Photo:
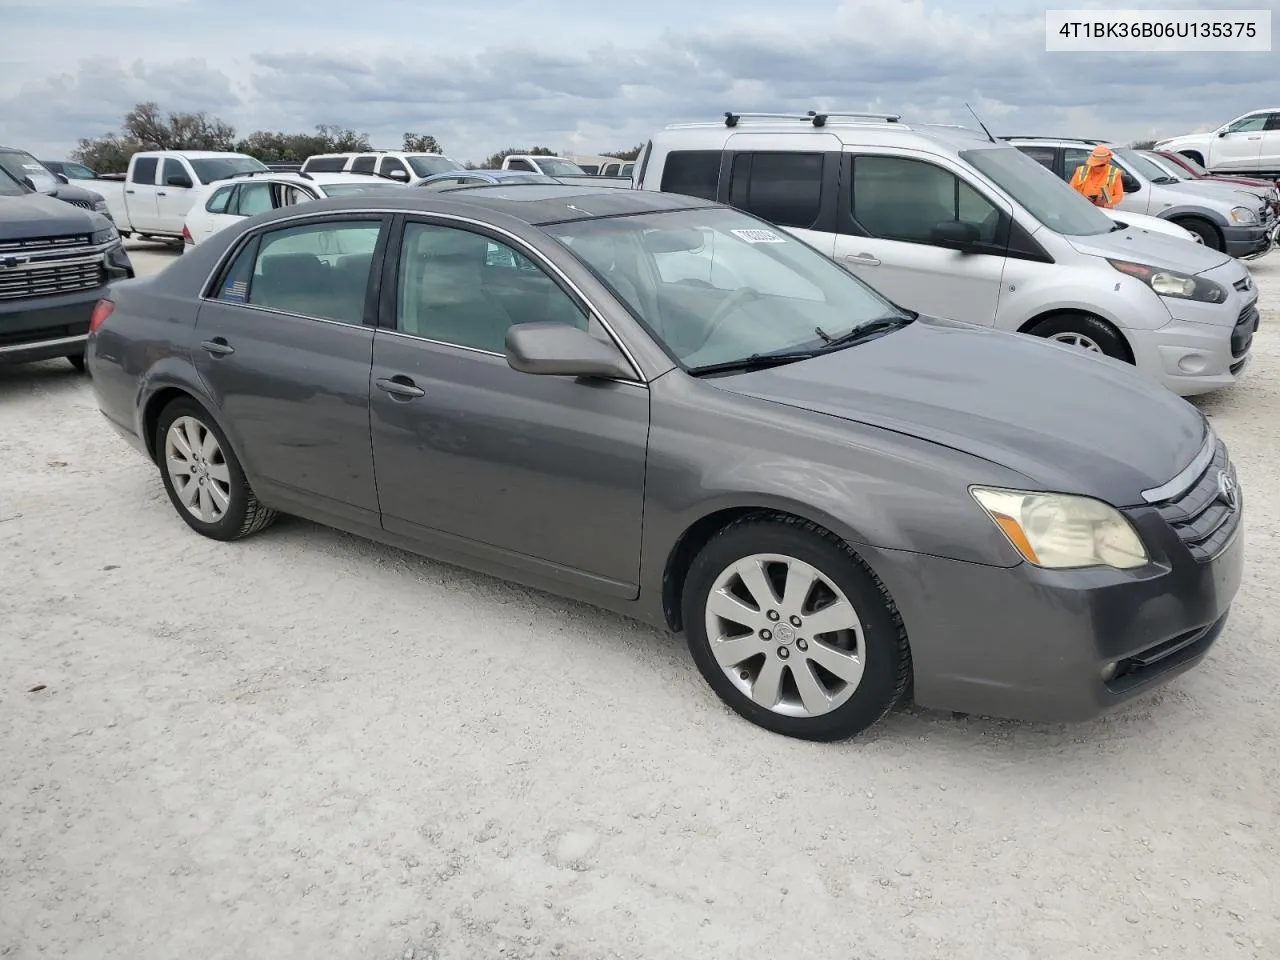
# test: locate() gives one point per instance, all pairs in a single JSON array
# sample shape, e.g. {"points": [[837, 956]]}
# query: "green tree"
{"points": [[1143, 144], [625, 154], [494, 161], [146, 128], [420, 143], [273, 145]]}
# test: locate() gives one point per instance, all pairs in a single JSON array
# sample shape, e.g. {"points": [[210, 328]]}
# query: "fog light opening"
{"points": [[1193, 363]]}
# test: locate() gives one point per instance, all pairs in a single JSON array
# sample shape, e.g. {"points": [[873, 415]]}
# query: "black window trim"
{"points": [[253, 239], [1019, 244], [829, 183], [230, 191], [390, 277]]}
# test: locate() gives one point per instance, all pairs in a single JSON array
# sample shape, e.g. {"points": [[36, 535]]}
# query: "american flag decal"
{"points": [[235, 291]]}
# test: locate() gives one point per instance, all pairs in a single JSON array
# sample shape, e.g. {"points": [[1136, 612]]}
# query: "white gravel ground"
{"points": [[309, 745]]}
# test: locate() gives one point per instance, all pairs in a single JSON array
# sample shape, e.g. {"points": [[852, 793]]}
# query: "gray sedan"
{"points": [[670, 409]]}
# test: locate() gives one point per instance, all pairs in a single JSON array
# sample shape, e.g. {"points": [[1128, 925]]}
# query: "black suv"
{"points": [[26, 169]]}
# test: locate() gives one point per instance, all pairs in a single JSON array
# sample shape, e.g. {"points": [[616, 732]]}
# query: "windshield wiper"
{"points": [[757, 361], [1165, 180], [863, 330]]}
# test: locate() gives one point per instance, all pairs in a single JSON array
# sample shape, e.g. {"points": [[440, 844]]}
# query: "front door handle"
{"points": [[1255, 138], [866, 259], [218, 347], [128, 191], [400, 387], [161, 193]]}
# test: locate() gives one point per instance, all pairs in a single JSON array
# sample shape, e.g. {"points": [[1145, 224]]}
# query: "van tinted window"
{"points": [[783, 188], [694, 173]]}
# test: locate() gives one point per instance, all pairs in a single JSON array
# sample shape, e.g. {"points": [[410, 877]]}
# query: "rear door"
{"points": [[216, 212], [1269, 156], [140, 198], [173, 199], [891, 207], [284, 348], [763, 174]]}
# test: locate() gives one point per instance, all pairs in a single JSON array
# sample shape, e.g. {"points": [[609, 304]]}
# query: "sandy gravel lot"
{"points": [[307, 745]]}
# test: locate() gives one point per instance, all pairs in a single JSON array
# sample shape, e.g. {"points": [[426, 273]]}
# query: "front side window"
{"points": [[431, 165], [462, 288], [391, 165], [293, 195], [895, 198], [209, 169], [1038, 191], [1249, 124], [715, 285], [555, 167], [694, 173], [783, 188], [219, 201], [317, 270], [172, 168]]}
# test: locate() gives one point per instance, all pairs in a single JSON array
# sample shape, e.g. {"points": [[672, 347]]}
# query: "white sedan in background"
{"points": [[225, 202]]}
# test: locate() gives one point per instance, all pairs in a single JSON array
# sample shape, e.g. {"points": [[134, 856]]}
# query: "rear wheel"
{"points": [[1086, 332], [77, 361], [202, 476], [793, 631]]}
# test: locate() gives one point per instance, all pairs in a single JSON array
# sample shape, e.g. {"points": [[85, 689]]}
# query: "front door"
{"points": [[1269, 156], [891, 209], [543, 473], [285, 351], [172, 203]]}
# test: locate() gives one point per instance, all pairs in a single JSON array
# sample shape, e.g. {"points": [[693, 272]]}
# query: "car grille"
{"points": [[46, 243], [1201, 517], [82, 204], [1242, 333], [1243, 284], [52, 278]]}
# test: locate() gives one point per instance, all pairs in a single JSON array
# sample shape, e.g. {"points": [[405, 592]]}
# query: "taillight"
{"points": [[101, 310], [186, 236]]}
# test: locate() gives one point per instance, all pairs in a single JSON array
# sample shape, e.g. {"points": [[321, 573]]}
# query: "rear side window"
{"points": [[783, 188], [1041, 155], [520, 165], [144, 170], [220, 199], [325, 165], [363, 164], [318, 270], [254, 198], [694, 173]]}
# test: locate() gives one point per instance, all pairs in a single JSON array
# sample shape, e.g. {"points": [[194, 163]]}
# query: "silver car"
{"points": [[676, 411]]}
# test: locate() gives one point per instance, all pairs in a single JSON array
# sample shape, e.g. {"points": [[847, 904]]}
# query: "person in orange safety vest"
{"points": [[1098, 179]]}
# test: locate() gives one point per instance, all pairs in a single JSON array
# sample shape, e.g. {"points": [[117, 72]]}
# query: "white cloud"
{"points": [[542, 73]]}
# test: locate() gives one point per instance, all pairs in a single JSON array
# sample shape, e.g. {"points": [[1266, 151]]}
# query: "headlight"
{"points": [[1062, 532], [1171, 283], [100, 206], [1243, 216], [106, 235]]}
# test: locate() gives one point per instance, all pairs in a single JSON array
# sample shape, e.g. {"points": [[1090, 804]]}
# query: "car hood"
{"points": [[1154, 249], [1066, 420], [1228, 193], [36, 216]]}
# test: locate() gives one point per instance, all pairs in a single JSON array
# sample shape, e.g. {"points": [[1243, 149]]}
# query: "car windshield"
{"points": [[18, 165], [559, 168], [9, 187], [429, 166], [1193, 166], [209, 169], [1039, 191], [347, 189], [715, 285]]}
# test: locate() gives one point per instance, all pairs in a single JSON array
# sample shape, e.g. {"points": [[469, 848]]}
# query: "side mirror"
{"points": [[398, 175], [42, 183], [1130, 183], [559, 350], [178, 180], [955, 235], [1223, 133], [62, 178]]}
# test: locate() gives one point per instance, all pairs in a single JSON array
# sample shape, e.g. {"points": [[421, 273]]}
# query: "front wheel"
{"points": [[202, 476], [1205, 231], [1085, 332], [77, 361], [793, 631]]}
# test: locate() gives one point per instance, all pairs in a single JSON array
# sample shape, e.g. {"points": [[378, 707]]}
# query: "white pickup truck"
{"points": [[560, 168], [153, 199]]}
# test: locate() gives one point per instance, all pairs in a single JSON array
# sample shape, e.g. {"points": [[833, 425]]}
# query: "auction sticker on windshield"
{"points": [[757, 236]]}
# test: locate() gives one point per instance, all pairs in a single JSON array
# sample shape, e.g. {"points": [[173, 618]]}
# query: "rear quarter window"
{"points": [[325, 165], [694, 173]]}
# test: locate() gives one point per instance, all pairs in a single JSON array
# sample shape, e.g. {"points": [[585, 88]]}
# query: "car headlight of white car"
{"points": [[1063, 532], [1172, 283], [1243, 216]]}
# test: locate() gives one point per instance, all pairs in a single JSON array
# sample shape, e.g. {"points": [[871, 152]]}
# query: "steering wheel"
{"points": [[732, 302]]}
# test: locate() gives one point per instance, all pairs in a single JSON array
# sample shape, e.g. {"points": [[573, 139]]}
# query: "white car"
{"points": [[1143, 222], [229, 201], [1249, 144]]}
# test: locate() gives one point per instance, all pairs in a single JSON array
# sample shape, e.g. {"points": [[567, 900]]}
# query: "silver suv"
{"points": [[1224, 216]]}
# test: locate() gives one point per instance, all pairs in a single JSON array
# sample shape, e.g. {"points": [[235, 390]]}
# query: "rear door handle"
{"points": [[218, 347], [865, 259], [128, 191], [400, 387], [161, 193]]}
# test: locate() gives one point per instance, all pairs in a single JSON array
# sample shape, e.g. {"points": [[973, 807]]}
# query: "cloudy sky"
{"points": [[585, 76]]}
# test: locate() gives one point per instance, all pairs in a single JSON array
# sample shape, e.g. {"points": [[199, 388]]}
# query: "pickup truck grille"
{"points": [[1202, 517], [49, 278], [44, 244]]}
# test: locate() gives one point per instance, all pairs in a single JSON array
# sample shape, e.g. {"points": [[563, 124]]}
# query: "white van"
{"points": [[953, 223]]}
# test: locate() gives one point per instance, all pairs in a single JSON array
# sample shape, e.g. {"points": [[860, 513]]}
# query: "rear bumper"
{"points": [[1040, 645]]}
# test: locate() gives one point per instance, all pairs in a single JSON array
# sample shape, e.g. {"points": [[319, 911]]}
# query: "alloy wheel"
{"points": [[197, 469], [1077, 340]]}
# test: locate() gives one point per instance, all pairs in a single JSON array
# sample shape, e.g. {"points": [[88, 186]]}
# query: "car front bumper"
{"points": [[1248, 242], [1039, 645]]}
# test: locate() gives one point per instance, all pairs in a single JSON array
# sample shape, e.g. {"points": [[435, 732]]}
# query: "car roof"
{"points": [[536, 204]]}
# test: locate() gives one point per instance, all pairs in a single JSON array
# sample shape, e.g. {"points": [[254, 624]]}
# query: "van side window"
{"points": [[899, 199], [694, 173], [783, 188]]}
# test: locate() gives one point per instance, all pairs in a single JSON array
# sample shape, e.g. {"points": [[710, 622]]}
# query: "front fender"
{"points": [[1195, 210]]}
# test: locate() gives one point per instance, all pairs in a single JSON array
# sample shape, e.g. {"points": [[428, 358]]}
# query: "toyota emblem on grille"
{"points": [[1228, 492], [12, 263]]}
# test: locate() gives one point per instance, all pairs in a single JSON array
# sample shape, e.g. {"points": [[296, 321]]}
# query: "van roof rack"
{"points": [[816, 117]]}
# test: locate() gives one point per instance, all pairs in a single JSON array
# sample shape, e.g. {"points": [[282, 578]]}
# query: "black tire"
{"points": [[244, 514], [1204, 230], [886, 656], [77, 361], [1064, 325]]}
